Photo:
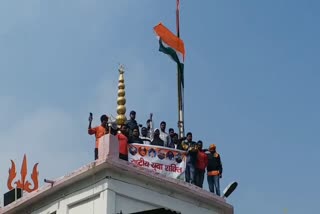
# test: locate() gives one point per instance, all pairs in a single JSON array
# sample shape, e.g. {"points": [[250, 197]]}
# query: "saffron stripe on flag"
{"points": [[170, 39]]}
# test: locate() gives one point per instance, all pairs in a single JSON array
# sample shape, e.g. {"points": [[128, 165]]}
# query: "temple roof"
{"points": [[119, 165]]}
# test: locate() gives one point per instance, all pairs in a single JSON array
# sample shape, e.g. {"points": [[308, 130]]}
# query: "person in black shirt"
{"points": [[214, 170], [156, 138], [135, 136], [192, 152], [172, 138], [132, 123], [178, 141]]}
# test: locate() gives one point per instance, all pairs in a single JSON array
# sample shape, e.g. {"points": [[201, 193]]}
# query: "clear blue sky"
{"points": [[251, 77]]}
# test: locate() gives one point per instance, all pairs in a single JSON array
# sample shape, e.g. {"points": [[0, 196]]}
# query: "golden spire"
{"points": [[121, 101]]}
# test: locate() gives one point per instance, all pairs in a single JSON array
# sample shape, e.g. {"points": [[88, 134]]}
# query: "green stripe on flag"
{"points": [[173, 54]]}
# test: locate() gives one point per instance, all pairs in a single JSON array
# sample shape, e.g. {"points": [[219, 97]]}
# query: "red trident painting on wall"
{"points": [[22, 183]]}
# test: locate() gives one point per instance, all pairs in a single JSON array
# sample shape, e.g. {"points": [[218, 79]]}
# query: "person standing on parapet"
{"points": [[123, 142], [202, 163], [214, 170], [131, 123], [192, 151], [98, 131]]}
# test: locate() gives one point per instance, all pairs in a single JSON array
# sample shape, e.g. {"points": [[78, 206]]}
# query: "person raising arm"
{"points": [[98, 131]]}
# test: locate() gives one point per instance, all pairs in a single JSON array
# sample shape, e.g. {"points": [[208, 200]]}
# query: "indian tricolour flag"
{"points": [[171, 45]]}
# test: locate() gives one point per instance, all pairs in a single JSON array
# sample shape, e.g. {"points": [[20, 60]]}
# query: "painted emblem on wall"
{"points": [[23, 183]]}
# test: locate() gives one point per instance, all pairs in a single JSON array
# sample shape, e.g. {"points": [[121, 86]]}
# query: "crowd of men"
{"points": [[198, 161]]}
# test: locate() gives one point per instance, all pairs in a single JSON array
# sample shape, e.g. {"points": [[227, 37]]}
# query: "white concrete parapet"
{"points": [[108, 147]]}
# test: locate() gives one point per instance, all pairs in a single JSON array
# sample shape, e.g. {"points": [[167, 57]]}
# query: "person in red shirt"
{"points": [[202, 162], [123, 142], [98, 131]]}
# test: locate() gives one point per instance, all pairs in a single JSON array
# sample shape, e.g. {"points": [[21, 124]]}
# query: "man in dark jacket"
{"points": [[132, 123], [178, 141], [172, 138], [156, 138], [202, 162], [192, 151], [214, 170], [135, 136]]}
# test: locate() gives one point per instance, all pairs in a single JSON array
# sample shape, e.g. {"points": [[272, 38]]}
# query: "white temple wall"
{"points": [[117, 194]]}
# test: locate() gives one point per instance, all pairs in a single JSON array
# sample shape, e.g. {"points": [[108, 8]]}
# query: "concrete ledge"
{"points": [[109, 160]]}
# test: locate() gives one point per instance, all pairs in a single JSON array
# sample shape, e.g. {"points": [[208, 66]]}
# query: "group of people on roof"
{"points": [[198, 160]]}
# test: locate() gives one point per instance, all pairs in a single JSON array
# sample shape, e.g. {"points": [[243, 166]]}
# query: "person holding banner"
{"points": [[98, 131], [192, 151]]}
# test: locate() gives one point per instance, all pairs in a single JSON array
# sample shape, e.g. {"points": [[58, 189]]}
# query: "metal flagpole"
{"points": [[179, 83]]}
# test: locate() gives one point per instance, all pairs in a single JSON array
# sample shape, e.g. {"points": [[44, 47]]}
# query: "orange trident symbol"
{"points": [[23, 183]]}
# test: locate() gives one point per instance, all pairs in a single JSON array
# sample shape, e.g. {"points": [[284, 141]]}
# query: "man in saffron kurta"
{"points": [[98, 131], [123, 143]]}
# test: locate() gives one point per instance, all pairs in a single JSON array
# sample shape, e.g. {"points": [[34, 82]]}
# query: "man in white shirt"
{"points": [[146, 140], [150, 126], [164, 135]]}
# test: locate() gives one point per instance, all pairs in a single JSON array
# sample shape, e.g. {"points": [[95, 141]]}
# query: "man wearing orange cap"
{"points": [[214, 170]]}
